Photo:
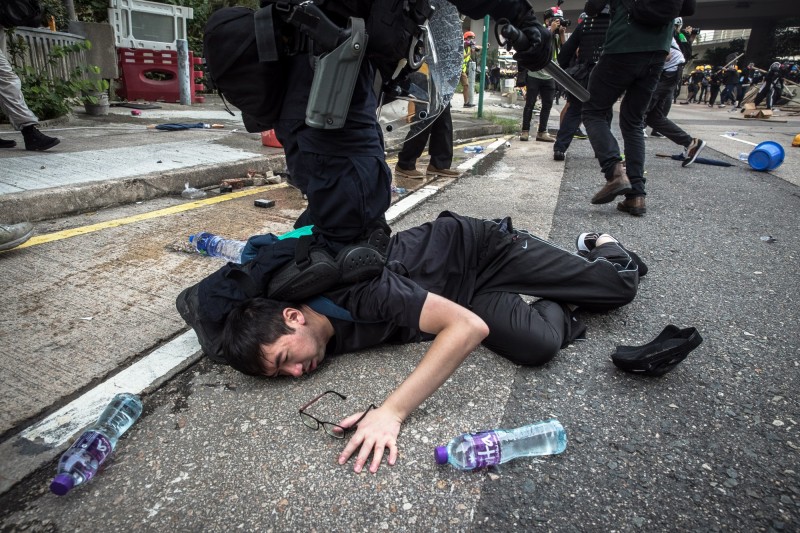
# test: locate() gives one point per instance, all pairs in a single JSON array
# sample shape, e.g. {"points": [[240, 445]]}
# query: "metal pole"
{"points": [[183, 72], [484, 51]]}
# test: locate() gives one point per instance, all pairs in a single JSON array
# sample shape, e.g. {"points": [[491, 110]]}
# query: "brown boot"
{"points": [[634, 206], [442, 172], [523, 135], [618, 184], [414, 174]]}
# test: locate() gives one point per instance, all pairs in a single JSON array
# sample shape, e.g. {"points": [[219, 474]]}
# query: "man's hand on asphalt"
{"points": [[376, 432]]}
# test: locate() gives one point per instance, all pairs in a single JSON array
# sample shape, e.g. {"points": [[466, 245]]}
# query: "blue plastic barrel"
{"points": [[766, 156]]}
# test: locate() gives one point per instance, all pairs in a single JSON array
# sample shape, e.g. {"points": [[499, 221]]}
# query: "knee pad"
{"points": [[295, 282]]}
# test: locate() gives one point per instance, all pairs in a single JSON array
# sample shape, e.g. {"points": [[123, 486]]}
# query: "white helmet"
{"points": [[679, 21]]}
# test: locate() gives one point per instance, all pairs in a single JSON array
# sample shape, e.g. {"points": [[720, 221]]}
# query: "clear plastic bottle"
{"points": [[472, 451], [216, 246], [473, 149], [744, 156], [83, 459]]}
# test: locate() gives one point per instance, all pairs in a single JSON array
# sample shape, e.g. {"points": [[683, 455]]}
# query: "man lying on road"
{"points": [[456, 281]]}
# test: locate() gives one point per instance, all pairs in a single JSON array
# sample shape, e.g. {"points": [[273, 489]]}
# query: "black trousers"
{"points": [[570, 123], [439, 132], [534, 88], [713, 92], [636, 75], [518, 262], [656, 118]]}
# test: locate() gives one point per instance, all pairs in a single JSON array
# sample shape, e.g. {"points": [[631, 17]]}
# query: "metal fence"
{"points": [[39, 43]]}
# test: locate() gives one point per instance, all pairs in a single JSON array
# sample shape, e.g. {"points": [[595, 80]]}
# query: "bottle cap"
{"points": [[191, 238], [62, 484], [440, 454]]}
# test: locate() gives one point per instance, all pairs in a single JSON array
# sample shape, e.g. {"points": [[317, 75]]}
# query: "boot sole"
{"points": [[635, 211], [622, 189]]}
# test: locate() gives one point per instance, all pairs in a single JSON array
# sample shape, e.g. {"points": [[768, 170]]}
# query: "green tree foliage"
{"points": [[50, 96], [787, 40], [718, 56]]}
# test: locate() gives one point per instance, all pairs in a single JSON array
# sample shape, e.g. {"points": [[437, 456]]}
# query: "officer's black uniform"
{"points": [[342, 171]]}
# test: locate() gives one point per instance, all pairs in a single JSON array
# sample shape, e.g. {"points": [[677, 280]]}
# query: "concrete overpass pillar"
{"points": [[761, 42]]}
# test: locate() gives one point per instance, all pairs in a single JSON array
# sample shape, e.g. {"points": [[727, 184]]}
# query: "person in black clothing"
{"points": [[582, 50], [729, 79], [773, 78], [440, 134], [655, 117], [456, 281], [632, 60], [714, 83], [702, 98]]}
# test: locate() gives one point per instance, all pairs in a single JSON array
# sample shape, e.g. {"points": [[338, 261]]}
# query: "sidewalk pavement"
{"points": [[116, 159]]}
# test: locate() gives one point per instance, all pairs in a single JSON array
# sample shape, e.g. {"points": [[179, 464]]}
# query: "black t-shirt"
{"points": [[439, 257]]}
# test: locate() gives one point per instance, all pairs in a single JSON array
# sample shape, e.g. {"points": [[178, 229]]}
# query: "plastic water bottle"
{"points": [[744, 156], [216, 246], [83, 459], [473, 149], [472, 451], [400, 191]]}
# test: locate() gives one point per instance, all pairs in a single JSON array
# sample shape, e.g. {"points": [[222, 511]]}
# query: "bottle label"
{"points": [[96, 444], [487, 448]]}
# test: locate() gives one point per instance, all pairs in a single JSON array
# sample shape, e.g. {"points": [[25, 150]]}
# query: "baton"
{"points": [[568, 82], [514, 36]]}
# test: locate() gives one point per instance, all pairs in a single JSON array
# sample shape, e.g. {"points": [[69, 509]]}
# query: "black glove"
{"points": [[536, 52]]}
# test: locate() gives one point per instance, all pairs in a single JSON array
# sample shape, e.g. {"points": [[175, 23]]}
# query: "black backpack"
{"points": [[254, 84], [658, 12], [15, 13]]}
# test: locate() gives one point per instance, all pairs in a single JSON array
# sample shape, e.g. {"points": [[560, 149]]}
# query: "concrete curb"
{"points": [[55, 202], [45, 204]]}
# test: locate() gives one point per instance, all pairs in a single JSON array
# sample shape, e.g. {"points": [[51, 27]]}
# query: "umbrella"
{"points": [[184, 126], [701, 160]]}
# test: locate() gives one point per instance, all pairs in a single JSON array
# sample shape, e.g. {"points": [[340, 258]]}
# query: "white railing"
{"points": [[707, 37], [39, 42]]}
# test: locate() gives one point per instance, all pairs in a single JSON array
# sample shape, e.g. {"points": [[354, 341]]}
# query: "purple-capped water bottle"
{"points": [[83, 459], [215, 246], [472, 451]]}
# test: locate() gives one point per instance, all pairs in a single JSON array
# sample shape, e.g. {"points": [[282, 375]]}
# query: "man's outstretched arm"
{"points": [[458, 331]]}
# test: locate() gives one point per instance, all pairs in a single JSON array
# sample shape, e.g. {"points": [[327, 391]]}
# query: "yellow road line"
{"points": [[83, 230]]}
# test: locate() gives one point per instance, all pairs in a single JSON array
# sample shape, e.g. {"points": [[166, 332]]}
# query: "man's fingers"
{"points": [[377, 457], [363, 455], [392, 453], [352, 445]]}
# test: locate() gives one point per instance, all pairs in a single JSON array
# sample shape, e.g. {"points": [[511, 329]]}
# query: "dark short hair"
{"points": [[253, 323]]}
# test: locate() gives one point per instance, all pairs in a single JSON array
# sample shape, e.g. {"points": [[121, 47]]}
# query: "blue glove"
{"points": [[254, 243]]}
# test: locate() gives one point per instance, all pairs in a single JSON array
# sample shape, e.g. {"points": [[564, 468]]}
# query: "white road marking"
{"points": [[740, 140]]}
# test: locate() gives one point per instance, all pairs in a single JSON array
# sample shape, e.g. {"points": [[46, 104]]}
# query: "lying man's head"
{"points": [[269, 338]]}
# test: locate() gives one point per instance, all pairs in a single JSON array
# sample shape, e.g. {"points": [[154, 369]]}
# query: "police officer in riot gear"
{"points": [[342, 170]]}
